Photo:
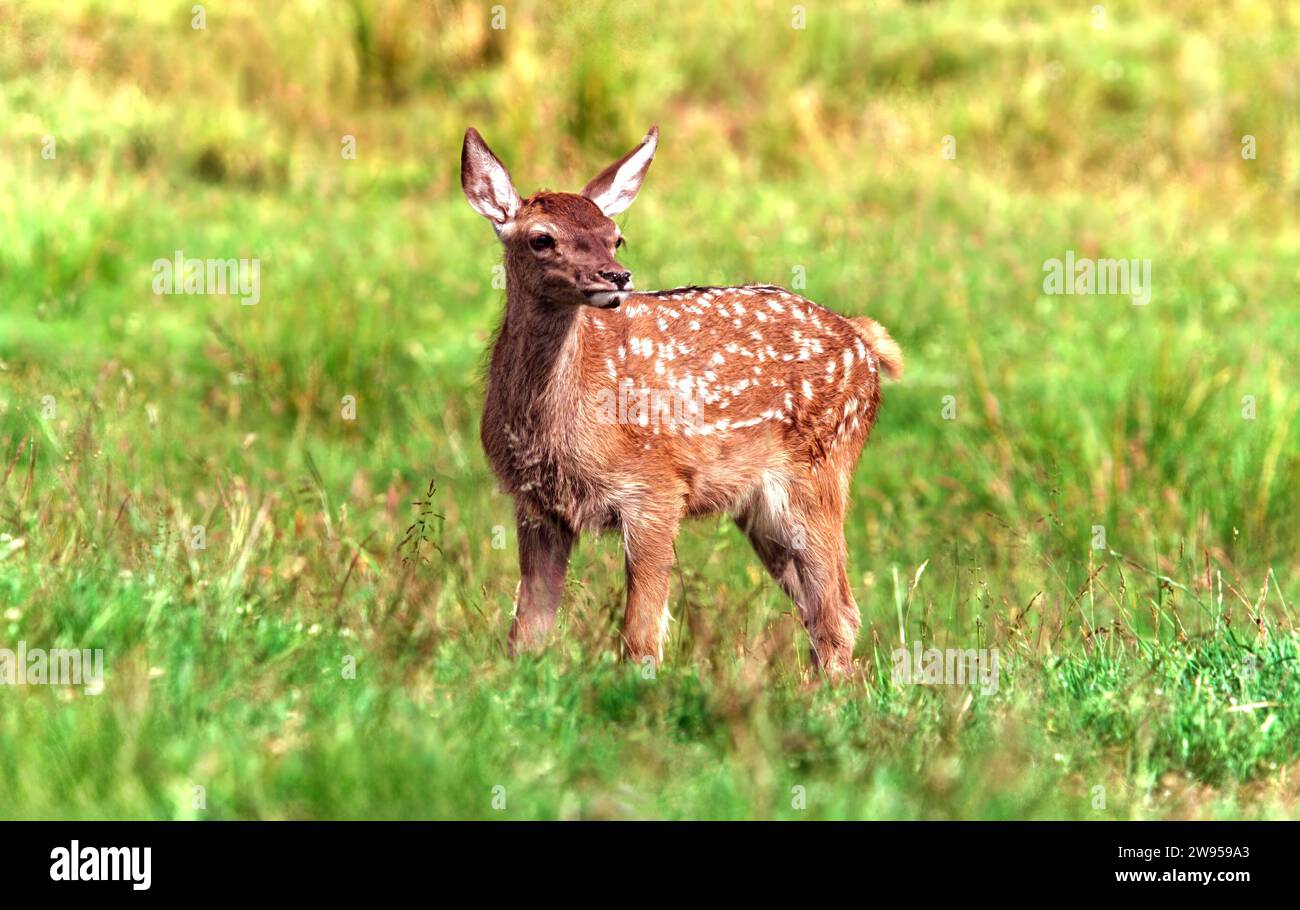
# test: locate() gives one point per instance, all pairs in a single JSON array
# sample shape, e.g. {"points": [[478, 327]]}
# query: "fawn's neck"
{"points": [[536, 364]]}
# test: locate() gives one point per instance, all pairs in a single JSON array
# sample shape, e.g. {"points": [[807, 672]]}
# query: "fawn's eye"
{"points": [[620, 242], [541, 242]]}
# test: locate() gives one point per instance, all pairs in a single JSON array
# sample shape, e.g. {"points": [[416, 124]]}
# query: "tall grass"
{"points": [[1156, 666]]}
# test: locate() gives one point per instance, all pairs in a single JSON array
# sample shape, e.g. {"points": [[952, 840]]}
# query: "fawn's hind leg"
{"points": [[826, 605], [775, 553], [544, 547], [803, 548]]}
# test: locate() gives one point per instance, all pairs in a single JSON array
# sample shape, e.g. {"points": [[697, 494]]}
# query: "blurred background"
{"points": [[917, 162]]}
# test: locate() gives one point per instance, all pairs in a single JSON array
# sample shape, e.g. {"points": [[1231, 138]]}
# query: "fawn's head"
{"points": [[559, 246]]}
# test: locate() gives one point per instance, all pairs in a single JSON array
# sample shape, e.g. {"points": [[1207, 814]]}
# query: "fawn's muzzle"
{"points": [[605, 299], [618, 279]]}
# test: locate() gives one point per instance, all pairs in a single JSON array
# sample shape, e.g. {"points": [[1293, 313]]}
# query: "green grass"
{"points": [[1153, 677]]}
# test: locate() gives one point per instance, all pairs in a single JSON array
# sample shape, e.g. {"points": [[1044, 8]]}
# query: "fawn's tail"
{"points": [[885, 348]]}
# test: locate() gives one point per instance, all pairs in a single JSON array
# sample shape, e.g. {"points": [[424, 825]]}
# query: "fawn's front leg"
{"points": [[544, 547], [648, 543]]}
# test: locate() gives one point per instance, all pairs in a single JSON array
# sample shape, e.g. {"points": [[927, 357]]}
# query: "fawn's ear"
{"points": [[486, 181], [614, 188]]}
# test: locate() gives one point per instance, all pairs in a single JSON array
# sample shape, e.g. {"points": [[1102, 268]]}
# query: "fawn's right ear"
{"points": [[614, 188], [486, 182]]}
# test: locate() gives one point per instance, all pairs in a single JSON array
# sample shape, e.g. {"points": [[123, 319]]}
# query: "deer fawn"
{"points": [[780, 396]]}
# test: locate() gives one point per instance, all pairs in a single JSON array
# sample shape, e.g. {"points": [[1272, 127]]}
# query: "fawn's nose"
{"points": [[618, 279]]}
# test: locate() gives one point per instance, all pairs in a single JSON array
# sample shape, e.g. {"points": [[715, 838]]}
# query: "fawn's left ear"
{"points": [[614, 188], [486, 181]]}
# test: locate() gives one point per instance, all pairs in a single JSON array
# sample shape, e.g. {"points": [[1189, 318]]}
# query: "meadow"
{"points": [[277, 522]]}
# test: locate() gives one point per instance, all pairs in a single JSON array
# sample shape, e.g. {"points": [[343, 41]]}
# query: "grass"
{"points": [[307, 664]]}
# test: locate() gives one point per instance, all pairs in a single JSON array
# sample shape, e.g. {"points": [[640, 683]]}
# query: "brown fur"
{"points": [[770, 399]]}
